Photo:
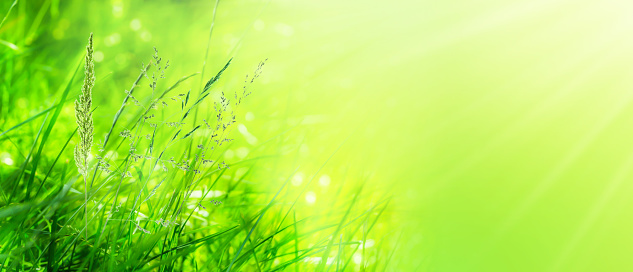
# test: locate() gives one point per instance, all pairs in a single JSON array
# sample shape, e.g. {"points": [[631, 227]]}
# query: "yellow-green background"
{"points": [[503, 129]]}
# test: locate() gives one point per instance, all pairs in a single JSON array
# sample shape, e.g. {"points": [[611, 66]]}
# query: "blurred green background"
{"points": [[503, 129]]}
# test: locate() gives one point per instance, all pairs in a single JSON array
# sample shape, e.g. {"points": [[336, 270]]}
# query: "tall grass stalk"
{"points": [[83, 114]]}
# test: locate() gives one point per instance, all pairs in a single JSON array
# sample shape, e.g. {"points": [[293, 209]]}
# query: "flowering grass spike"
{"points": [[83, 115]]}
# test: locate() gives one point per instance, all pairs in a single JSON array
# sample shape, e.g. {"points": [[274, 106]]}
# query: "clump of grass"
{"points": [[83, 114], [163, 196]]}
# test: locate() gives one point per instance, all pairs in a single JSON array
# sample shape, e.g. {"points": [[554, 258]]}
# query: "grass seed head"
{"points": [[83, 113]]}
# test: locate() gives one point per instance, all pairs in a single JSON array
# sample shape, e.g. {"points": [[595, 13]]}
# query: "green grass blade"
{"points": [[51, 123], [8, 12], [257, 222]]}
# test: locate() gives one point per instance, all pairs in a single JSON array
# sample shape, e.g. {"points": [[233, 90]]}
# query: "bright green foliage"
{"points": [[176, 181]]}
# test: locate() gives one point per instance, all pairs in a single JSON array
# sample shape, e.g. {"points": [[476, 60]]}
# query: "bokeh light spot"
{"points": [[6, 159], [357, 258], [242, 152], [135, 24], [284, 30], [98, 56], [259, 25], [117, 9], [297, 179], [113, 39], [247, 135], [304, 149], [146, 36], [324, 180], [229, 154], [249, 116], [368, 243], [311, 197]]}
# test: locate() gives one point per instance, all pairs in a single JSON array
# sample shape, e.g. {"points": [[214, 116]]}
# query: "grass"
{"points": [[158, 192], [83, 113]]}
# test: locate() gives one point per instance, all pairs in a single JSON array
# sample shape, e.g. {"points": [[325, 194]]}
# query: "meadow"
{"points": [[123, 149], [294, 135]]}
